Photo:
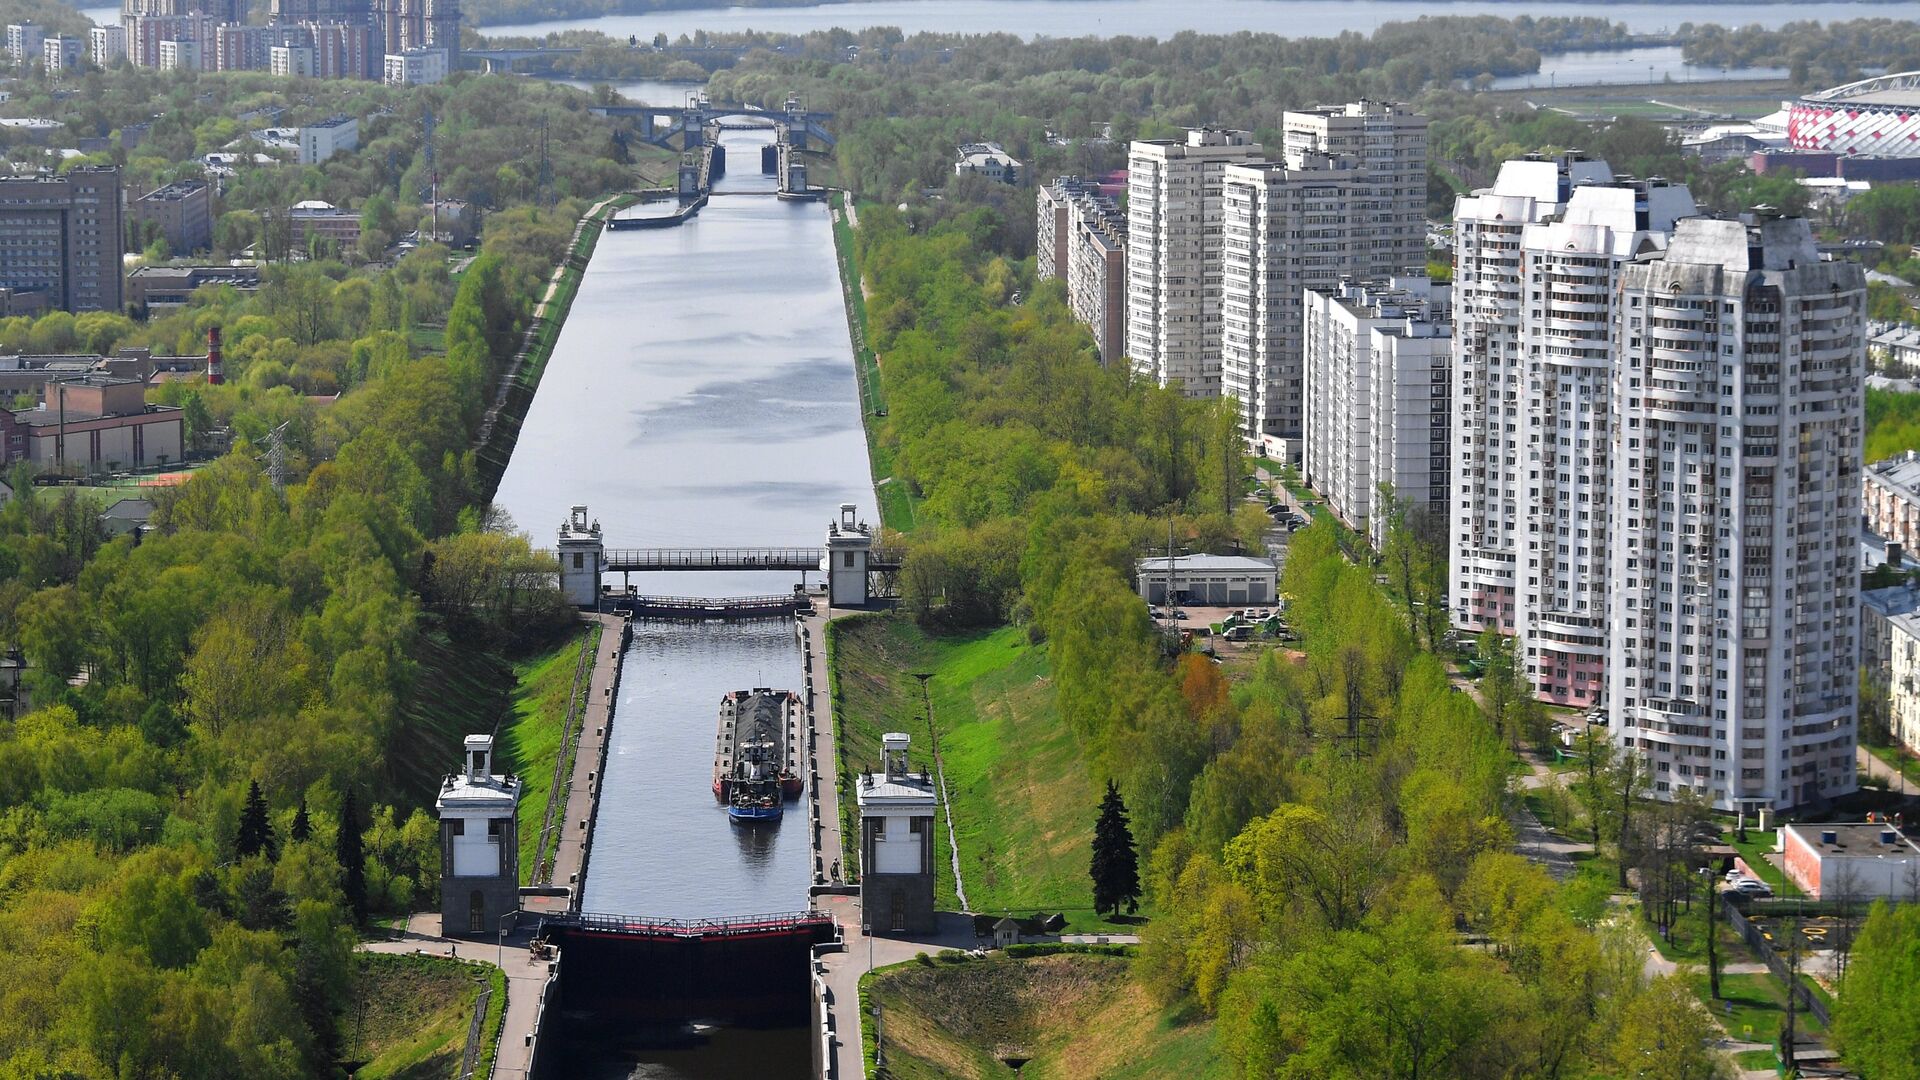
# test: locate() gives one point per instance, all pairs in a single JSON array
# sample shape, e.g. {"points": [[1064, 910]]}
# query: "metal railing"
{"points": [[648, 926], [471, 1059]]}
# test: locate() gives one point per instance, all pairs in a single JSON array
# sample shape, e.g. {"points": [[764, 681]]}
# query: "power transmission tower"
{"points": [[276, 455]]}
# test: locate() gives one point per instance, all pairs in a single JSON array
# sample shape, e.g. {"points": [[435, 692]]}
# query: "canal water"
{"points": [[701, 393]]}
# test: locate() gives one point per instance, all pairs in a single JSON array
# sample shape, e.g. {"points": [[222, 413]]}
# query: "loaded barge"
{"points": [[756, 757]]}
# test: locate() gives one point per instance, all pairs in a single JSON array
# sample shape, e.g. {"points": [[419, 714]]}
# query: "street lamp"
{"points": [[500, 944]]}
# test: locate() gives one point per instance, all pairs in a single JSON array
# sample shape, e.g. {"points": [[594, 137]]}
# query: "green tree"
{"points": [[1116, 867], [351, 855], [256, 827], [1875, 1023], [1664, 1034]]}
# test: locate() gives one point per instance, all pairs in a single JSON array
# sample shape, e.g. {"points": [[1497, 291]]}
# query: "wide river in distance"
{"points": [[1164, 18], [701, 394]]}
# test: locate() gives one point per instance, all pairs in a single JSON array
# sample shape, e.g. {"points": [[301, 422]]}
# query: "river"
{"points": [[701, 393], [1163, 18]]}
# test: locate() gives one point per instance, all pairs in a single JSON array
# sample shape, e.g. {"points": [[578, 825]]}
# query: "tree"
{"points": [[256, 829], [302, 825], [347, 849], [1875, 1023], [1116, 866], [1664, 1035]]}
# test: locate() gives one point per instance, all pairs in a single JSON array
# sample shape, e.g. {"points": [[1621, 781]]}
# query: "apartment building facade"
{"points": [[1489, 375], [1570, 271], [1338, 204], [1375, 360], [107, 45], [1082, 239], [1738, 405], [61, 236], [1174, 208], [182, 211]]}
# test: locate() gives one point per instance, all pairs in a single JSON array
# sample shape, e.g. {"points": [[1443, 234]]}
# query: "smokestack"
{"points": [[214, 375]]}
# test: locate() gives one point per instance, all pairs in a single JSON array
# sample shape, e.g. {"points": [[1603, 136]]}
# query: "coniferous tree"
{"points": [[256, 828], [302, 830], [1116, 867], [353, 859]]}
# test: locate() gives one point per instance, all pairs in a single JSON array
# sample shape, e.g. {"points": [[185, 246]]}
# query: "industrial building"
{"points": [[1207, 579], [93, 423], [183, 212], [1860, 862]]}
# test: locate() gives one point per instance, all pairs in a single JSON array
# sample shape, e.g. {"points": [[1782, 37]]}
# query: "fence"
{"points": [[1763, 947], [471, 1059]]}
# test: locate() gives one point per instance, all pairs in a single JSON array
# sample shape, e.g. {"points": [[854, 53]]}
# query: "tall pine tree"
{"points": [[1116, 868], [302, 830], [256, 827], [353, 859]]}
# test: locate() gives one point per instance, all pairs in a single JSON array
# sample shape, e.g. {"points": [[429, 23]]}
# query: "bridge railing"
{"points": [[647, 925], [696, 558], [707, 601]]}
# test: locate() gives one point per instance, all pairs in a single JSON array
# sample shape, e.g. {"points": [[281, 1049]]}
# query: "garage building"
{"points": [[1209, 579]]}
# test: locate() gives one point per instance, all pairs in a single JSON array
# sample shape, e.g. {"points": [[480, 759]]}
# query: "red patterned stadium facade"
{"points": [[1879, 116]]}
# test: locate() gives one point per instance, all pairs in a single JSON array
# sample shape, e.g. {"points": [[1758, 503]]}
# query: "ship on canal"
{"points": [[756, 758]]}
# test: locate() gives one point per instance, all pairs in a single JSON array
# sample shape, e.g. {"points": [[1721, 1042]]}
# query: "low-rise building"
{"points": [[416, 67], [157, 287], [1854, 861], [479, 867], [183, 211], [1895, 346], [1898, 636], [1877, 607], [1208, 579], [987, 159], [320, 141], [1891, 500], [127, 516], [898, 863], [93, 423], [315, 218]]}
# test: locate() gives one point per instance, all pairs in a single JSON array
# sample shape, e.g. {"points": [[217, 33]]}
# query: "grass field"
{"points": [[530, 740], [1078, 1017], [1753, 1007], [1024, 800], [410, 1015]]}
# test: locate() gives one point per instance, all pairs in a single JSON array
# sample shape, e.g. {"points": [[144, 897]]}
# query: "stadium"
{"points": [[1878, 116]]}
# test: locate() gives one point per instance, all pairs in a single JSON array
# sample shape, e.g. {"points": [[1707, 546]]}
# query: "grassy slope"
{"points": [[410, 1016], [1023, 798], [530, 741], [1080, 1017], [459, 690], [896, 502]]}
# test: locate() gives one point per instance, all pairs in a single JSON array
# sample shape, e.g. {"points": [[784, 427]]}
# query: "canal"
{"points": [[701, 393]]}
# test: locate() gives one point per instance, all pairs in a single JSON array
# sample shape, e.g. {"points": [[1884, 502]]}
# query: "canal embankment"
{"points": [[500, 428]]}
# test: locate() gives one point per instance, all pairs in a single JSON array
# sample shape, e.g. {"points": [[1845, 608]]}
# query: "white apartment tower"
{"points": [[1376, 358], [1570, 271], [1173, 255], [1346, 200], [1489, 376], [1737, 413]]}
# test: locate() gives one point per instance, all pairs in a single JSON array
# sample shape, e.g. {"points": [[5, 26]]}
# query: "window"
{"points": [[846, 559]]}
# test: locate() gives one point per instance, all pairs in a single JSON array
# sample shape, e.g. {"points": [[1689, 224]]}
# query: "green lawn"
{"points": [[409, 1016], [1894, 758], [530, 740], [1752, 1007], [1758, 845], [1024, 800]]}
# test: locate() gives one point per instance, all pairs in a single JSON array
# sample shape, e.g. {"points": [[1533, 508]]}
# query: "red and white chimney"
{"points": [[214, 375]]}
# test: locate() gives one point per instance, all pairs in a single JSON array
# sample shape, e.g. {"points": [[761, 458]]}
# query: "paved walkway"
{"points": [[525, 977], [589, 760]]}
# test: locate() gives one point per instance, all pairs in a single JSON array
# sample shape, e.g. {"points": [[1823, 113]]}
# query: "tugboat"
{"points": [[756, 766]]}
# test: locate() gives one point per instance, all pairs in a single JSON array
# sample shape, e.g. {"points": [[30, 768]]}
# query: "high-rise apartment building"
{"points": [[60, 236], [1734, 593], [1173, 255], [107, 45], [61, 54], [1082, 239], [1346, 200], [24, 42], [1570, 273], [1489, 376], [1376, 358]]}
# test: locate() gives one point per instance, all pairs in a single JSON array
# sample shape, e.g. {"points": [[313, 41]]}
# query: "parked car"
{"points": [[1180, 614], [1750, 887]]}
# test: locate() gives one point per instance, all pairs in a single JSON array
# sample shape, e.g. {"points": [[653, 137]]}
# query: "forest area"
{"points": [[204, 806]]}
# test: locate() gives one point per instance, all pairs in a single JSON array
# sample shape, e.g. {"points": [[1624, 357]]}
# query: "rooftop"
{"points": [[905, 788], [1858, 841], [179, 189], [1899, 471], [459, 791], [1210, 562], [130, 510]]}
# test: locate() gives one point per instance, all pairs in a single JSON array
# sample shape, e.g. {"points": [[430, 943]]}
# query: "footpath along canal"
{"points": [[701, 394]]}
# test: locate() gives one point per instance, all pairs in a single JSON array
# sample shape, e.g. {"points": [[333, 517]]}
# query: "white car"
{"points": [[1750, 887]]}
